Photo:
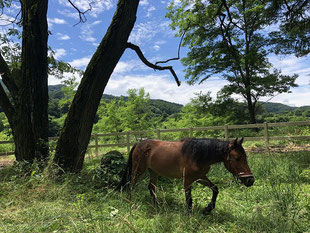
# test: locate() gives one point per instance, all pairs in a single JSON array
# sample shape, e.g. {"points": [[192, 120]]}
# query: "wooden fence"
{"points": [[158, 133]]}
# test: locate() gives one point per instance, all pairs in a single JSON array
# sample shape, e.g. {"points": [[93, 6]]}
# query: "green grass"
{"points": [[278, 201]]}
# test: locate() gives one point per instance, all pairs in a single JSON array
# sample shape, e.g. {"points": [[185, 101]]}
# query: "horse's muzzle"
{"points": [[247, 180]]}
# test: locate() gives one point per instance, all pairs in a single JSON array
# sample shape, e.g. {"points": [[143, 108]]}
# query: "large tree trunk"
{"points": [[34, 89], [75, 135], [26, 105]]}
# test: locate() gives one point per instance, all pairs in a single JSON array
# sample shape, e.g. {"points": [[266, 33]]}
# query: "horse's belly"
{"points": [[168, 166]]}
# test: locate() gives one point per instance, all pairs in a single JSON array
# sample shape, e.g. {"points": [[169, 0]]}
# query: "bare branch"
{"points": [[179, 48], [149, 64], [82, 16], [10, 21]]}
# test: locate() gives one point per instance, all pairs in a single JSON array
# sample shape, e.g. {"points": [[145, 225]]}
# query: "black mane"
{"points": [[205, 149]]}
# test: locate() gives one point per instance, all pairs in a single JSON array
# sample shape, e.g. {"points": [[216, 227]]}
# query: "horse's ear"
{"points": [[236, 141], [241, 140], [233, 144]]}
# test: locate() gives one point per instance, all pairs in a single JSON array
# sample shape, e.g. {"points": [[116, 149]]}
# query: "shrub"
{"points": [[110, 170]]}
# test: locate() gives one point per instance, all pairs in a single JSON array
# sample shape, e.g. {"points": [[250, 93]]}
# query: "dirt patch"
{"points": [[279, 149], [5, 163]]}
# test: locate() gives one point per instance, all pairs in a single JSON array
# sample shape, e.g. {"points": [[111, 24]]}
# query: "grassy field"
{"points": [[278, 201]]}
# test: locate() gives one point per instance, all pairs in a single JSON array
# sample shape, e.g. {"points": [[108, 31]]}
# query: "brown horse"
{"points": [[189, 159]]}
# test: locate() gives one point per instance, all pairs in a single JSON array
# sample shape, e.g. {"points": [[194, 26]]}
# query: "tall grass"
{"points": [[41, 202]]}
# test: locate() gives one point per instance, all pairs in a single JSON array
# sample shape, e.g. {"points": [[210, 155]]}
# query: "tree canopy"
{"points": [[226, 38], [293, 35]]}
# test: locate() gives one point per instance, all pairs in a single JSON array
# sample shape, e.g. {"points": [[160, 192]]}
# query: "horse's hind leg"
{"points": [[138, 169], [152, 186], [206, 182]]}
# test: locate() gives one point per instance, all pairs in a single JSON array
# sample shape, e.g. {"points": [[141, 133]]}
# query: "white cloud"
{"points": [[69, 13], [149, 11], [125, 67], [290, 65], [145, 32], [156, 47], [81, 62], [122, 67], [96, 7], [57, 21], [144, 2], [160, 86], [60, 53], [52, 80], [87, 31], [61, 36], [299, 97]]}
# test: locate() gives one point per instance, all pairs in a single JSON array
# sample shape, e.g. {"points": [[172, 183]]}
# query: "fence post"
{"points": [[158, 133], [96, 145], [226, 132], [266, 134], [128, 141], [191, 132]]}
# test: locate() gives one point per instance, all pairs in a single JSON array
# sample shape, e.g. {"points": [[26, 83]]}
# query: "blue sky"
{"points": [[76, 44]]}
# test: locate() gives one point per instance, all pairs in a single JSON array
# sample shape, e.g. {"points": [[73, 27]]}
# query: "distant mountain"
{"points": [[166, 106], [277, 107], [281, 108], [55, 92]]}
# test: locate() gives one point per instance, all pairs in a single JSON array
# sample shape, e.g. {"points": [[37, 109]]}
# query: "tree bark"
{"points": [[75, 135]]}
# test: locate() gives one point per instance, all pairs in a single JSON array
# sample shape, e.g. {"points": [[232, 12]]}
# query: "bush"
{"points": [[110, 170]]}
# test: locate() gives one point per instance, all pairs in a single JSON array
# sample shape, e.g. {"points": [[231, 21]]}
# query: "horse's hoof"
{"points": [[207, 210]]}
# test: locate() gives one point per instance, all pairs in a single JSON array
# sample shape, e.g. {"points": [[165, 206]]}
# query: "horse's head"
{"points": [[236, 162]]}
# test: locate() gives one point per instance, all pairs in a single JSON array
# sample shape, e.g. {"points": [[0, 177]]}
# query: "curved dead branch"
{"points": [[149, 64], [179, 49]]}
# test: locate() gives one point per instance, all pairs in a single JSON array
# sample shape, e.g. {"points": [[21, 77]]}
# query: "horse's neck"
{"points": [[217, 159], [220, 156]]}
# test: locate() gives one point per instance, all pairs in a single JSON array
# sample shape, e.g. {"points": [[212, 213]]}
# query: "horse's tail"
{"points": [[124, 184]]}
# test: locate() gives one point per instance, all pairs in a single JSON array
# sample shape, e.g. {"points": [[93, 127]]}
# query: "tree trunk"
{"points": [[251, 109], [26, 104], [34, 88], [23, 137], [75, 135], [34, 92]]}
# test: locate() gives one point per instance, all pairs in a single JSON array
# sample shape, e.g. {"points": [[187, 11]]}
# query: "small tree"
{"points": [[137, 113]]}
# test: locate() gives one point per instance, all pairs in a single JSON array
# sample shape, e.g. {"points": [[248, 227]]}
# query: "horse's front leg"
{"points": [[206, 182], [188, 193]]}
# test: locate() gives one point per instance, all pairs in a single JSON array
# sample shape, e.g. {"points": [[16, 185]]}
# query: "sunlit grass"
{"points": [[278, 201]]}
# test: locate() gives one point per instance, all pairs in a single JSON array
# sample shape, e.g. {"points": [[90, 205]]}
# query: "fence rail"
{"points": [[266, 126]]}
